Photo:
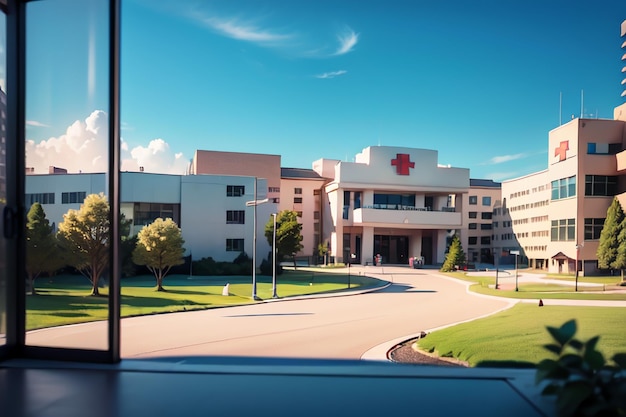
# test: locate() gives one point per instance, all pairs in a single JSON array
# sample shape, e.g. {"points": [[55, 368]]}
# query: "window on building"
{"points": [[563, 230], [273, 189], [485, 240], [486, 201], [299, 214], [234, 245], [316, 215], [297, 200], [473, 200], [297, 190], [146, 213], [394, 201], [235, 190], [41, 198], [603, 148], [485, 226], [472, 226], [357, 199], [472, 240], [486, 215], [495, 224], [593, 228], [473, 214], [235, 217], [74, 197], [346, 205], [317, 192], [600, 185], [563, 188]]}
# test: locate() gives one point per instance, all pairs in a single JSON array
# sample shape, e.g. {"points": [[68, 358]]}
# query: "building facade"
{"points": [[476, 231], [395, 202]]}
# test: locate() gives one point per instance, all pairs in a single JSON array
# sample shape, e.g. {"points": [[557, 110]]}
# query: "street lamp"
{"points": [[578, 247], [274, 295], [253, 204], [516, 253]]}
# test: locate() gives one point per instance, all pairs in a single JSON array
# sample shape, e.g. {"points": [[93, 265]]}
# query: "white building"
{"points": [[396, 202]]}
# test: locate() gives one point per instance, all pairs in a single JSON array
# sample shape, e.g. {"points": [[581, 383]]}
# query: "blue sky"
{"points": [[478, 81]]}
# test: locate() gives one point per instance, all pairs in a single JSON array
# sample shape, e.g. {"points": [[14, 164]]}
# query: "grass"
{"points": [[66, 299], [515, 337], [484, 285]]}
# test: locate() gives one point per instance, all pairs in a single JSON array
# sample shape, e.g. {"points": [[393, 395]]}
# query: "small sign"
{"points": [[514, 252]]}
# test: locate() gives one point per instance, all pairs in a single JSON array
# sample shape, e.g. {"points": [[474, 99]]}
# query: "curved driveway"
{"points": [[318, 327]]}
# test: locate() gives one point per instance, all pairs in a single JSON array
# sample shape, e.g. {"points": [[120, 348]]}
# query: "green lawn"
{"points": [[66, 299], [536, 291], [515, 337]]}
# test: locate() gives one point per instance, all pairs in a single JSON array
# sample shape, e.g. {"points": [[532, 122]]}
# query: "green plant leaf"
{"points": [[572, 396], [556, 349], [594, 359], [571, 360], [550, 369], [592, 343], [576, 344], [620, 360], [564, 333]]}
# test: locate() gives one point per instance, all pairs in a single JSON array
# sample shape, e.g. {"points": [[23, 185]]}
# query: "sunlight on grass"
{"points": [[66, 299], [516, 336]]}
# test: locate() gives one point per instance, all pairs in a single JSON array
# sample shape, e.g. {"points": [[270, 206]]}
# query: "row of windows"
{"points": [[539, 219], [235, 217], [530, 205], [541, 233], [485, 215], [520, 221], [235, 190], [483, 226], [600, 185], [486, 200], [603, 148], [535, 248], [564, 188], [484, 240], [521, 235], [563, 230], [73, 197], [41, 198]]}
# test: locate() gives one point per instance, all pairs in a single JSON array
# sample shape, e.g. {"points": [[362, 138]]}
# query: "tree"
{"points": [[455, 256], [611, 251], [84, 234], [42, 252], [288, 234], [159, 248]]}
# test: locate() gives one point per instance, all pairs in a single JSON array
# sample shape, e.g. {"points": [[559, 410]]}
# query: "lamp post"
{"points": [[274, 295], [578, 247], [253, 204], [516, 253], [496, 261]]}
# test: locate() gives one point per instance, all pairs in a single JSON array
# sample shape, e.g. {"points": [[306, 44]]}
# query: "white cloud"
{"points": [[347, 40], [245, 31], [35, 123], [157, 157], [331, 74], [84, 148], [501, 176], [506, 158]]}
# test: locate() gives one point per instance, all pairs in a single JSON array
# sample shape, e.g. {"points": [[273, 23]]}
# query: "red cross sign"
{"points": [[402, 163], [562, 150]]}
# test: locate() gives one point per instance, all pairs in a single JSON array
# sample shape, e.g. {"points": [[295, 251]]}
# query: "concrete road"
{"points": [[334, 327]]}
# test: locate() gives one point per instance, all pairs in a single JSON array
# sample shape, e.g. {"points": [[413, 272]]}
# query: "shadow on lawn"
{"points": [[506, 364], [152, 302]]}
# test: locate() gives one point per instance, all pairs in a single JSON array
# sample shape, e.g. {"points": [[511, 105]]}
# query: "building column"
{"points": [[440, 254], [367, 244], [336, 244]]}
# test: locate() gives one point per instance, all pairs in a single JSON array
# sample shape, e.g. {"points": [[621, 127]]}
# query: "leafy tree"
{"points": [[84, 234], [322, 250], [288, 234], [159, 248], [611, 251], [42, 252], [455, 255]]}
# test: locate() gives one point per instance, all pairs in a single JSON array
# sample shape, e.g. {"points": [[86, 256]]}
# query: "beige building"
{"points": [[557, 214], [476, 231]]}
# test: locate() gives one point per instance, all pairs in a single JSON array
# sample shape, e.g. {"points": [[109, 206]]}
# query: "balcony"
{"points": [[406, 217]]}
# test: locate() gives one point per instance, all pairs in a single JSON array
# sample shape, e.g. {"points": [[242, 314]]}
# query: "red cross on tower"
{"points": [[402, 163], [562, 150]]}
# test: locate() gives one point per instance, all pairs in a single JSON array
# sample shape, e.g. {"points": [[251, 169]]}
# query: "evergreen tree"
{"points": [[455, 255], [611, 251], [42, 252], [288, 234]]}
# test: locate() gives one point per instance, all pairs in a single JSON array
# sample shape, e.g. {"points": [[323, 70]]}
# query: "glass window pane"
{"points": [[67, 102]]}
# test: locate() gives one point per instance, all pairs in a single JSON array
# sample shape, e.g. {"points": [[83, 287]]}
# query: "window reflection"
{"points": [[67, 98]]}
